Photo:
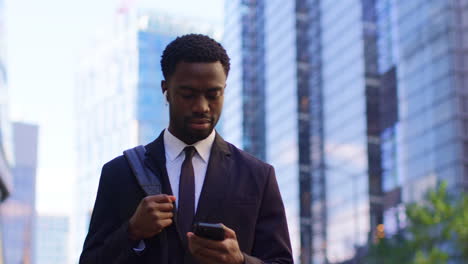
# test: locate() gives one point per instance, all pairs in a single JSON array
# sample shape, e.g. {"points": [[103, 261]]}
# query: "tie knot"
{"points": [[189, 152]]}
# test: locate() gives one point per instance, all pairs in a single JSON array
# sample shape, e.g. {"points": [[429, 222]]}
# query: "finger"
{"points": [[192, 246], [207, 243], [164, 215], [229, 233], [165, 222], [164, 207], [161, 198], [203, 255], [209, 255]]}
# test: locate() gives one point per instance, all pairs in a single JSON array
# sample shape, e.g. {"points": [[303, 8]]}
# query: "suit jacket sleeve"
{"points": [[272, 243], [107, 240]]}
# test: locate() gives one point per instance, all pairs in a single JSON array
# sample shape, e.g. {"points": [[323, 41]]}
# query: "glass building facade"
{"points": [[6, 140], [421, 62], [322, 128], [281, 108], [387, 26], [232, 117], [351, 130], [17, 213], [257, 33], [5, 174], [246, 79], [2, 260], [119, 100], [431, 93], [51, 239], [365, 109]]}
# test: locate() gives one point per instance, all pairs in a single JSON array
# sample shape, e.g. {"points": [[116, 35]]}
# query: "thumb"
{"points": [[229, 233]]}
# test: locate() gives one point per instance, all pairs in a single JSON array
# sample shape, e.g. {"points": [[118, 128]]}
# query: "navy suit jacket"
{"points": [[239, 191]]}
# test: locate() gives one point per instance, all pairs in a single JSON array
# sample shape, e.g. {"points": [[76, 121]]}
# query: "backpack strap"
{"points": [[147, 179]]}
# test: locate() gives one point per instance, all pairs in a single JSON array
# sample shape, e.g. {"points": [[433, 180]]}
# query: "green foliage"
{"points": [[460, 226], [437, 232], [389, 251], [435, 256]]}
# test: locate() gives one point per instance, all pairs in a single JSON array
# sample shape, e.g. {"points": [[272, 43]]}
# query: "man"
{"points": [[204, 179]]}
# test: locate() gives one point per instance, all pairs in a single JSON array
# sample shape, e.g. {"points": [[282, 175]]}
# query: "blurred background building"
{"points": [[119, 100], [253, 38], [5, 175], [361, 107], [422, 62], [51, 239], [364, 108], [18, 162], [17, 213], [6, 155]]}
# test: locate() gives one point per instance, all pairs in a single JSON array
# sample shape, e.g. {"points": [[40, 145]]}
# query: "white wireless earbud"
{"points": [[165, 97]]}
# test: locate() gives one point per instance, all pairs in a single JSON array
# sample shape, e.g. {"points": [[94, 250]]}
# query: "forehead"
{"points": [[199, 71]]}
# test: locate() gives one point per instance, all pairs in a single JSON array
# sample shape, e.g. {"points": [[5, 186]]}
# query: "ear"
{"points": [[164, 90]]}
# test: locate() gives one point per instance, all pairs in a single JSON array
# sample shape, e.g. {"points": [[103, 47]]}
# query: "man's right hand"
{"points": [[154, 213]]}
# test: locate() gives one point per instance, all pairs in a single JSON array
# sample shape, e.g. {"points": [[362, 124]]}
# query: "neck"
{"points": [[186, 138]]}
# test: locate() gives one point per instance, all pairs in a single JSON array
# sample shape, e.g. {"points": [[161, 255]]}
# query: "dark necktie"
{"points": [[186, 208]]}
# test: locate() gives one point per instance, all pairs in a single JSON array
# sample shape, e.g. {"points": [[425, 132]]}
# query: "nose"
{"points": [[201, 105]]}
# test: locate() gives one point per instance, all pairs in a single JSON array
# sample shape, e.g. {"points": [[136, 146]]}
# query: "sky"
{"points": [[44, 39]]}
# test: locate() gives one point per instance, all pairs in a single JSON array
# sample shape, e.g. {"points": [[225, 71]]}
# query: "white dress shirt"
{"points": [[175, 156]]}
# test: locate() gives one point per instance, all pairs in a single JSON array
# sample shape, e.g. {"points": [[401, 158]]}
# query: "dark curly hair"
{"points": [[193, 48]]}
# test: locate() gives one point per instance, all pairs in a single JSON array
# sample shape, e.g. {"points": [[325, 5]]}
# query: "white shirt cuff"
{"points": [[140, 247]]}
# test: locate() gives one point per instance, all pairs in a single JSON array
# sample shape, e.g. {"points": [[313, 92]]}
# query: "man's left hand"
{"points": [[214, 252]]}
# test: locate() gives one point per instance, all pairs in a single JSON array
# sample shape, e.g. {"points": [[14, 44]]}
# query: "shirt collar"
{"points": [[175, 146]]}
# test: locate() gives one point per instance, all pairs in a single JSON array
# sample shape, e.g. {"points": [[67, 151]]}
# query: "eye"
{"points": [[187, 96], [213, 95]]}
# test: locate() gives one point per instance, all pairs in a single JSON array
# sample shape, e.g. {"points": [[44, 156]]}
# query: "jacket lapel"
{"points": [[216, 180]]}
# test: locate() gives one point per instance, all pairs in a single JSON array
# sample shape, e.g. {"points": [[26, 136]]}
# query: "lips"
{"points": [[199, 123]]}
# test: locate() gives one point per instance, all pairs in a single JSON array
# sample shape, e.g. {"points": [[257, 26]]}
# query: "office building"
{"points": [[17, 213], [257, 32], [5, 174], [6, 157], [119, 100], [351, 130], [2, 260], [51, 239], [424, 108], [320, 116], [243, 119], [364, 108]]}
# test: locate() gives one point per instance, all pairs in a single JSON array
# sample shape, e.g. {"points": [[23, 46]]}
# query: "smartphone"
{"points": [[209, 231]]}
